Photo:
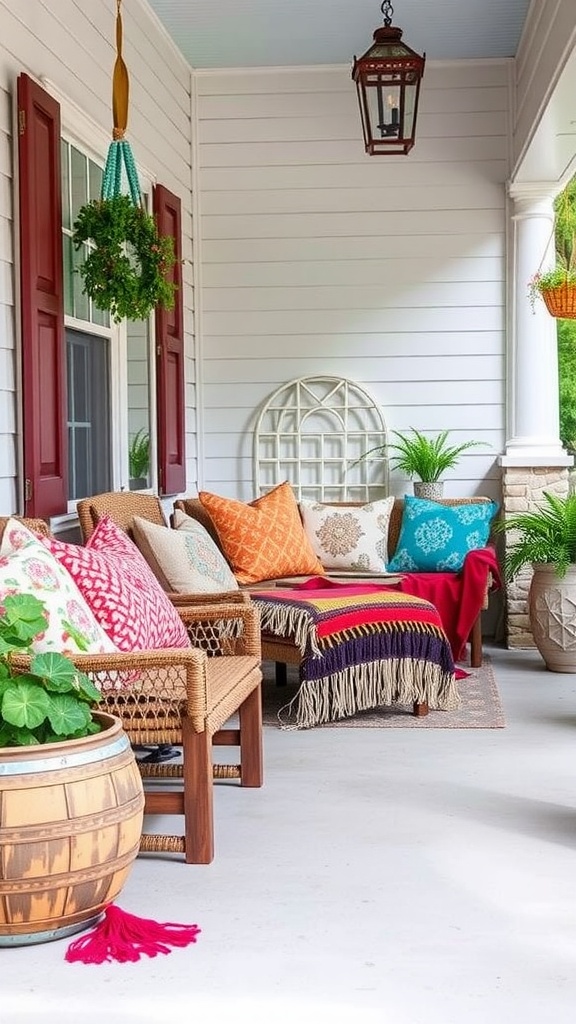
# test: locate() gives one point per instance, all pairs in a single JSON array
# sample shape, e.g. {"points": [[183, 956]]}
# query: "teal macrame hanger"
{"points": [[119, 152]]}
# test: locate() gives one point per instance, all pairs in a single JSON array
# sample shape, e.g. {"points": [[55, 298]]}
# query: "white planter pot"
{"points": [[432, 491], [552, 610]]}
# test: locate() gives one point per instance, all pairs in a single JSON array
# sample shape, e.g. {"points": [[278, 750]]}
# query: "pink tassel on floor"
{"points": [[124, 937]]}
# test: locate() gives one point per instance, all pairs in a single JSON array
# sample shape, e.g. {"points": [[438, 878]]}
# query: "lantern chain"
{"points": [[387, 11]]}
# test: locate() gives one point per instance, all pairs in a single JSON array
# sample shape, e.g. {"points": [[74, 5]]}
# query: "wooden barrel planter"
{"points": [[70, 825]]}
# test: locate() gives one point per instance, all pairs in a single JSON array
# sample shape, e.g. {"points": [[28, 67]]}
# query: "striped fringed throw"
{"points": [[362, 647]]}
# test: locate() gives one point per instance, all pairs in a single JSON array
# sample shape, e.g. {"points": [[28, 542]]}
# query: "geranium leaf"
{"points": [[67, 716], [25, 704], [57, 671]]}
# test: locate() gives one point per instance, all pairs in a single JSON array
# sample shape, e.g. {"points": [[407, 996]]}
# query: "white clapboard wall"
{"points": [[317, 259]]}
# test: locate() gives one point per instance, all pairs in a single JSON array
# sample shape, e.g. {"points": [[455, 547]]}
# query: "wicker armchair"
{"points": [[121, 506], [184, 697]]}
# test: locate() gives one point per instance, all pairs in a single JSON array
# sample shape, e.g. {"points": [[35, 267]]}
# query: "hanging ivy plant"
{"points": [[126, 271]]}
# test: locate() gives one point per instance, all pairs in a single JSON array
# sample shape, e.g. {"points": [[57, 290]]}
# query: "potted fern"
{"points": [[139, 460], [70, 791], [544, 539], [426, 458]]}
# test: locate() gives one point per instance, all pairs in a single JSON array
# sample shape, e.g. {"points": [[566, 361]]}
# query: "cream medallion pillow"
{"points": [[349, 538]]}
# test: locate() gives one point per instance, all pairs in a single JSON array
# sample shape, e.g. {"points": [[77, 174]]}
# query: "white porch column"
{"points": [[533, 418], [534, 461]]}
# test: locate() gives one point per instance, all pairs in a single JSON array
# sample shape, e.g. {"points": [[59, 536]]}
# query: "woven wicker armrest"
{"points": [[224, 628], [149, 690]]}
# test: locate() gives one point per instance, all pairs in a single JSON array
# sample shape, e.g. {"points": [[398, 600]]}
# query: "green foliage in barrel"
{"points": [[44, 698]]}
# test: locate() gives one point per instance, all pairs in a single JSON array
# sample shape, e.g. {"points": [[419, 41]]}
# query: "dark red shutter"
{"points": [[42, 308], [170, 358]]}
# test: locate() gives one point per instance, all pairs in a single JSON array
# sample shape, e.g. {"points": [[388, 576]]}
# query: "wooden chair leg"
{"points": [[476, 643], [420, 710], [198, 795], [281, 673], [251, 760]]}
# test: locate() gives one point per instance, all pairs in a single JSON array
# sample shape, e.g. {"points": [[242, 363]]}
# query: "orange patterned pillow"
{"points": [[264, 539]]}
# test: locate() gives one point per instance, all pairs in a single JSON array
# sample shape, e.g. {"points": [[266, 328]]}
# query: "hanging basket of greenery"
{"points": [[557, 287], [561, 298], [127, 264], [126, 270]]}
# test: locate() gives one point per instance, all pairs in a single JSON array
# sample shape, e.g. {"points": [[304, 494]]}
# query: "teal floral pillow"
{"points": [[437, 538]]}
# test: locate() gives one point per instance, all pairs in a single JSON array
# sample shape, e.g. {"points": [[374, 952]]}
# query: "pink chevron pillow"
{"points": [[122, 591]]}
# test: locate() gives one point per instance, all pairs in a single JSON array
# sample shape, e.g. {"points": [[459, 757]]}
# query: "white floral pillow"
{"points": [[349, 538], [27, 567]]}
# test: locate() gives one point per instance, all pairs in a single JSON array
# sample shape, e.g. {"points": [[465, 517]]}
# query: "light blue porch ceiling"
{"points": [[263, 33]]}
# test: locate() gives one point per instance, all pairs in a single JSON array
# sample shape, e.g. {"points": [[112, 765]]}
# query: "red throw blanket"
{"points": [[457, 596]]}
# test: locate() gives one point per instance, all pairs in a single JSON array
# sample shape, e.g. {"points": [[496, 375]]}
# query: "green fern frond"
{"points": [[546, 534]]}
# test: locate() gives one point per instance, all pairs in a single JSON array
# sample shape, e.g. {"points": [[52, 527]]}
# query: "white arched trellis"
{"points": [[311, 432]]}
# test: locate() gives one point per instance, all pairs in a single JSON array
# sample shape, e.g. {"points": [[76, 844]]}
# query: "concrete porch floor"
{"points": [[391, 876]]}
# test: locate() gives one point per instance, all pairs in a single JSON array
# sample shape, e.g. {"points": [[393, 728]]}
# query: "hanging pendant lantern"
{"points": [[388, 80]]}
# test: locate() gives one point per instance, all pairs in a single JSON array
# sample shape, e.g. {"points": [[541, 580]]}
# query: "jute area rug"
{"points": [[481, 707]]}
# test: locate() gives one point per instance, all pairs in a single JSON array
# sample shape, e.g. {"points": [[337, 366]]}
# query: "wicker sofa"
{"points": [[284, 651]]}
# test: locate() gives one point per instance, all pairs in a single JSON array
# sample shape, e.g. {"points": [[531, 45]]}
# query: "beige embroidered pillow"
{"points": [[349, 538], [185, 559]]}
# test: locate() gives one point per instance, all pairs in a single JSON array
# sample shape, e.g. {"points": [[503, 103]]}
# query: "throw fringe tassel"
{"points": [[288, 620], [367, 686], [125, 937]]}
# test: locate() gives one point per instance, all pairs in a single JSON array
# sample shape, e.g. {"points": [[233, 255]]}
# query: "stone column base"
{"points": [[522, 489]]}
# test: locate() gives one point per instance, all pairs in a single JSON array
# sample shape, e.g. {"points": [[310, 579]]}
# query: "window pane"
{"points": [[95, 175], [100, 316], [68, 262], [81, 303], [79, 172], [89, 460], [65, 172]]}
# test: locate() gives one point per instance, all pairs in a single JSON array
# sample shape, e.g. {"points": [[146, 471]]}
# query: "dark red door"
{"points": [[170, 358], [42, 311]]}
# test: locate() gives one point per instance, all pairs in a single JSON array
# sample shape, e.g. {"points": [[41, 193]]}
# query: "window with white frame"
{"points": [[108, 366]]}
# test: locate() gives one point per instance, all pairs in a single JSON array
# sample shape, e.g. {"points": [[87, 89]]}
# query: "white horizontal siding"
{"points": [[407, 344], [388, 294], [345, 272], [353, 224], [277, 106], [436, 249], [267, 324], [339, 127], [444, 198], [319, 260], [360, 175], [310, 80], [398, 373], [466, 148]]}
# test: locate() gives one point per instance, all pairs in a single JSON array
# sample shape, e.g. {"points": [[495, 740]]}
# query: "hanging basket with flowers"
{"points": [[557, 287]]}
